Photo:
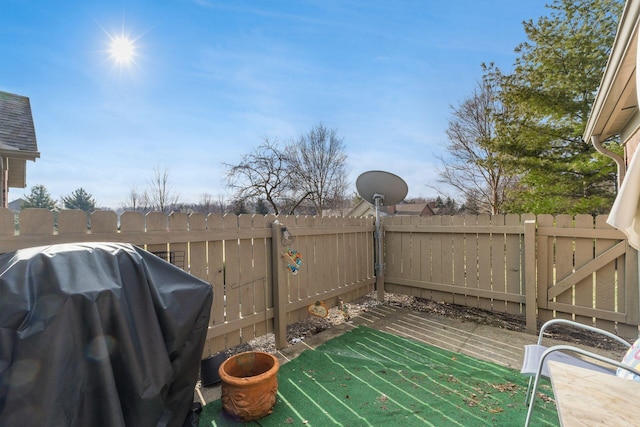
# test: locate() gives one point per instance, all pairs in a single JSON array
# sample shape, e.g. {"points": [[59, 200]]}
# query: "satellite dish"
{"points": [[388, 188], [381, 189]]}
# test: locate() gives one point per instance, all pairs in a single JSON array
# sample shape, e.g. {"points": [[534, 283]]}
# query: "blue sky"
{"points": [[212, 79]]}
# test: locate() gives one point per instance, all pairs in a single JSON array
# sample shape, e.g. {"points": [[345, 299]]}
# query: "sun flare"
{"points": [[122, 50]]}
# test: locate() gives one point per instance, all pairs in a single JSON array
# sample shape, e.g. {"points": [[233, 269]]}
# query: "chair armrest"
{"points": [[571, 323], [586, 353]]}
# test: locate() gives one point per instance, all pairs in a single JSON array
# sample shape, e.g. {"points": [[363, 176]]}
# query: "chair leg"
{"points": [[532, 400], [526, 396]]}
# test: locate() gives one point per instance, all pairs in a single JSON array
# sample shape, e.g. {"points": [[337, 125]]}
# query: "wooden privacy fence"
{"points": [[541, 267], [242, 257]]}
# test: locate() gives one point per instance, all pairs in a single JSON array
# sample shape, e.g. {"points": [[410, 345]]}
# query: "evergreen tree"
{"points": [[39, 198], [546, 103], [80, 199], [261, 207], [239, 207]]}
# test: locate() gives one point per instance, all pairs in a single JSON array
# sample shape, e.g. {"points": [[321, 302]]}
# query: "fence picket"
{"points": [[73, 221], [447, 258], [198, 249], [484, 262], [564, 259], [584, 253], [514, 264], [131, 222], [609, 293], [35, 221], [471, 261], [458, 242], [246, 277], [498, 253], [216, 273], [104, 222], [7, 223], [261, 261], [232, 266], [303, 245]]}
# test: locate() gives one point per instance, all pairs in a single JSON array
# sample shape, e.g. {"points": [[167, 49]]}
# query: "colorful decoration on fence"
{"points": [[294, 260], [319, 309]]}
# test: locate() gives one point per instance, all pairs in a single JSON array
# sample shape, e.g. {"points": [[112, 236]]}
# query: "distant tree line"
{"points": [[445, 206], [40, 198]]}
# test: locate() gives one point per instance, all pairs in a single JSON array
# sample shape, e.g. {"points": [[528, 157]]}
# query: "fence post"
{"points": [[279, 289], [530, 276]]}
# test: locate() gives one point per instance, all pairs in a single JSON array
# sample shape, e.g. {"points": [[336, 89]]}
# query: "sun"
{"points": [[122, 50]]}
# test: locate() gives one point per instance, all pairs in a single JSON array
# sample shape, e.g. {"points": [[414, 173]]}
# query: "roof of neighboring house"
{"points": [[17, 132], [414, 209], [337, 212], [362, 208], [16, 205]]}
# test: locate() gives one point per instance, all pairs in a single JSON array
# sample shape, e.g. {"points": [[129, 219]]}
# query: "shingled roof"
{"points": [[16, 125]]}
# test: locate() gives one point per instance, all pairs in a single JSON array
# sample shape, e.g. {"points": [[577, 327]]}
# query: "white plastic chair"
{"points": [[536, 357]]}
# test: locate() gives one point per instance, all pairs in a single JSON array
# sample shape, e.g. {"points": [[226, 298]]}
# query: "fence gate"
{"points": [[586, 271]]}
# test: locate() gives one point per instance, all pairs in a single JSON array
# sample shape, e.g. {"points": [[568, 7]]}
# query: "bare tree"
{"points": [[310, 170], [206, 204], [318, 163], [161, 194], [474, 167], [221, 205], [262, 174], [133, 200], [137, 201]]}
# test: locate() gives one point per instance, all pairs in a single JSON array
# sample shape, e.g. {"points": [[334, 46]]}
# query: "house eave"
{"points": [[20, 154], [616, 100]]}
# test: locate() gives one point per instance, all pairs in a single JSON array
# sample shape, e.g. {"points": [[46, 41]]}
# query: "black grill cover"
{"points": [[98, 334]]}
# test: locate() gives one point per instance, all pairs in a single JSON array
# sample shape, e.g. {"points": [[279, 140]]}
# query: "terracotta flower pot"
{"points": [[249, 385]]}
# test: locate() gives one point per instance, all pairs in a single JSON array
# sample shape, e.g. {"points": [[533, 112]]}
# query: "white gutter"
{"points": [[622, 167]]}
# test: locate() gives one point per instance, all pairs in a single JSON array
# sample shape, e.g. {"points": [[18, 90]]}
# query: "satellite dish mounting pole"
{"points": [[380, 189], [378, 199], [379, 267]]}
